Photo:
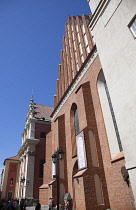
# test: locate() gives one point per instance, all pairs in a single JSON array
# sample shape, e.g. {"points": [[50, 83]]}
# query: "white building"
{"points": [[113, 25], [32, 151]]}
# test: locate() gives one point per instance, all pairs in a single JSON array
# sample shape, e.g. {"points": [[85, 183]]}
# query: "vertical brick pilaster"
{"points": [[69, 69], [72, 48], [88, 32], [62, 145], [79, 20], [76, 42], [60, 88], [91, 125]]}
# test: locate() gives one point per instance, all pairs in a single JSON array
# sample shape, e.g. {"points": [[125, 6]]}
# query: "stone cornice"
{"points": [[26, 144], [36, 120], [40, 120]]}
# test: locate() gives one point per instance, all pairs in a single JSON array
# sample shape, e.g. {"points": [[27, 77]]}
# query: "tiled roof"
{"points": [[42, 111], [13, 158]]}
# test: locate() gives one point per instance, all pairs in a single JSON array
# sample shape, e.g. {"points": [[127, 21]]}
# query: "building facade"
{"points": [[113, 24], [88, 175], [32, 152], [23, 174], [9, 177]]}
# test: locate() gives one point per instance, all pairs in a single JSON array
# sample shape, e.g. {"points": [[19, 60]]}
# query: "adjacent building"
{"points": [[92, 122], [88, 176], [32, 151], [23, 174], [9, 177], [113, 24]]}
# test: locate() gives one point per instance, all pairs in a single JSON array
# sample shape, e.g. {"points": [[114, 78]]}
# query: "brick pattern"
{"points": [[39, 155], [71, 55], [116, 193], [45, 194], [12, 174]]}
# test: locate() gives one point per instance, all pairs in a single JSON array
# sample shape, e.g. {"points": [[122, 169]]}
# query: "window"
{"points": [[98, 188], [11, 181], [9, 195], [111, 125], [41, 168], [42, 135], [76, 122], [132, 26], [113, 116]]}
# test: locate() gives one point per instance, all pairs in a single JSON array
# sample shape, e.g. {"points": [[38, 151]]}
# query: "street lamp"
{"points": [[22, 180], [58, 155]]}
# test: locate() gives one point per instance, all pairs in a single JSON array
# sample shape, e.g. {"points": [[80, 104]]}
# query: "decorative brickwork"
{"points": [[100, 185]]}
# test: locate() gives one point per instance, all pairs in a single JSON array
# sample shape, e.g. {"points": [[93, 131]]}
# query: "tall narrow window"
{"points": [[76, 121], [41, 168], [42, 135], [9, 195], [113, 116], [11, 181], [98, 188], [109, 117]]}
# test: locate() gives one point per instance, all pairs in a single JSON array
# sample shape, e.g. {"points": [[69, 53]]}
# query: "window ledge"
{"points": [[52, 182], [44, 186], [118, 157], [80, 173]]}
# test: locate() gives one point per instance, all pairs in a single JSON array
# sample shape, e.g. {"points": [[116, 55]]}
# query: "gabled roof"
{"points": [[42, 111]]}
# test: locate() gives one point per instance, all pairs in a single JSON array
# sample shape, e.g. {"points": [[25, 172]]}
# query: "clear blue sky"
{"points": [[30, 42]]}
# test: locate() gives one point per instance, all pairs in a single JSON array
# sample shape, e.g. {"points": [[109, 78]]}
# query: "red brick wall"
{"points": [[68, 55], [45, 194], [12, 173], [39, 155], [116, 193], [90, 117]]}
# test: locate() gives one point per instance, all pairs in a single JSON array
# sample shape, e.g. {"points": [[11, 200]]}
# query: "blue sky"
{"points": [[31, 34]]}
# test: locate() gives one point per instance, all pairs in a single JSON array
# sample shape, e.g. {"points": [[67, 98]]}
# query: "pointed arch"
{"points": [[109, 116], [98, 188], [74, 123]]}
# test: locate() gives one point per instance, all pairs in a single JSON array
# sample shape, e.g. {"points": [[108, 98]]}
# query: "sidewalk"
{"points": [[43, 207], [33, 208]]}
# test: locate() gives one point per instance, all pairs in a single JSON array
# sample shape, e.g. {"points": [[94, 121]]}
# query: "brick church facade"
{"points": [[89, 175], [87, 172]]}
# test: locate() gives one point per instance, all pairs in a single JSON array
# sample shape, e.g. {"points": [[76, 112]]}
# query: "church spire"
{"points": [[32, 97], [31, 105]]}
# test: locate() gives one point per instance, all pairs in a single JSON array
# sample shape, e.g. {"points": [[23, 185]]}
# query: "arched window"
{"points": [[98, 188], [74, 122], [11, 181]]}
